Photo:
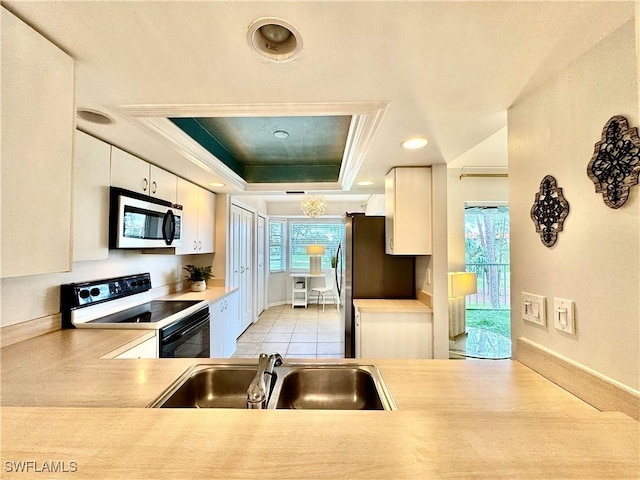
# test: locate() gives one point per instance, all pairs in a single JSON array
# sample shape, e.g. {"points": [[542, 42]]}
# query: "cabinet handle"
{"points": [[195, 245], [199, 245], [145, 184], [391, 243], [154, 187]]}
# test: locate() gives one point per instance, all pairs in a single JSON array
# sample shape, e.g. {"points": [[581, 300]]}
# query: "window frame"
{"points": [[283, 244], [312, 221]]}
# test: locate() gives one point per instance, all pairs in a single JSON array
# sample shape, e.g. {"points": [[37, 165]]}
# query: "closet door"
{"points": [[246, 270], [260, 252], [235, 257]]}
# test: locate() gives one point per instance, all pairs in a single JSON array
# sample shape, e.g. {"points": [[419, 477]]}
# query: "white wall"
{"points": [[596, 260], [459, 191], [36, 296]]}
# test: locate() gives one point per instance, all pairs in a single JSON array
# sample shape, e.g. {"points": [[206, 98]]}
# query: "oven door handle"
{"points": [[177, 336]]}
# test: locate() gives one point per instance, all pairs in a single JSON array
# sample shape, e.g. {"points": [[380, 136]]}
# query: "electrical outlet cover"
{"points": [[533, 308], [563, 315]]}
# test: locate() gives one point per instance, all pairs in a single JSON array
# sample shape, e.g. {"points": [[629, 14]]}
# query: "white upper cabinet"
{"points": [[206, 220], [133, 173], [197, 229], [38, 122], [91, 166], [407, 195]]}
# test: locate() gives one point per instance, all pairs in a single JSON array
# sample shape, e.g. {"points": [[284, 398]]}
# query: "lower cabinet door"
{"points": [[216, 310], [146, 349], [231, 321], [396, 335]]}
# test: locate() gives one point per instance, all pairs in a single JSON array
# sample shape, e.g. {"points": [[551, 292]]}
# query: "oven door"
{"points": [[187, 338]]}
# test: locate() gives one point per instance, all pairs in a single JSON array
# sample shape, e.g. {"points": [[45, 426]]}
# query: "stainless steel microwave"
{"points": [[140, 221]]}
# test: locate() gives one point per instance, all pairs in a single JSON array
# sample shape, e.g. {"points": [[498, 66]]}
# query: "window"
{"points": [[302, 234], [276, 245]]}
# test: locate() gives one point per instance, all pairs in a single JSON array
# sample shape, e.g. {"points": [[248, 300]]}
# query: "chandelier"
{"points": [[313, 205]]}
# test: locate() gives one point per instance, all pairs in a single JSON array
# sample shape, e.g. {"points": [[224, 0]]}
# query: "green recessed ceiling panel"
{"points": [[310, 150]]}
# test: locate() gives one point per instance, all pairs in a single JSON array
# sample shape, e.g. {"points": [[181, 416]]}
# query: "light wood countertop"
{"points": [[211, 294], [391, 305], [456, 419]]}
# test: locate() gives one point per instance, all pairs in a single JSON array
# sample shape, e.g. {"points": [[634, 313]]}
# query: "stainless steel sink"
{"points": [[209, 386], [329, 386]]}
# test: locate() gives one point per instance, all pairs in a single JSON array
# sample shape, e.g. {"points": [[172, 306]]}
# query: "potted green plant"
{"points": [[198, 276], [334, 261]]}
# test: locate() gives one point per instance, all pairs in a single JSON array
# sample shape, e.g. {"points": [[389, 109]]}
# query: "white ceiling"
{"points": [[448, 70]]}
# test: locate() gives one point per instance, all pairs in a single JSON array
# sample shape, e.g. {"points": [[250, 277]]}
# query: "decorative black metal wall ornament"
{"points": [[615, 165], [549, 210]]}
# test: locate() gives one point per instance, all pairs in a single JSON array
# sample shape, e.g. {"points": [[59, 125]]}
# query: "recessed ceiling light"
{"points": [[216, 184], [365, 183], [275, 39], [280, 134], [94, 116], [414, 143]]}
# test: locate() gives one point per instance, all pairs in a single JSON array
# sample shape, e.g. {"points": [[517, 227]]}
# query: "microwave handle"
{"points": [[168, 227]]}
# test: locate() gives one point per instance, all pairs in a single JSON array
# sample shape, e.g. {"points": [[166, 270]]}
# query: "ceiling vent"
{"points": [[275, 39], [94, 116]]}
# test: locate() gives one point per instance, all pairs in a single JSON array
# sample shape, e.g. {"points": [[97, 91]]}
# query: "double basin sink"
{"points": [[331, 386]]}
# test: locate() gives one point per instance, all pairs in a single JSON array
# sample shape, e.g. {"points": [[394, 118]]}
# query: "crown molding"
{"points": [[365, 121]]}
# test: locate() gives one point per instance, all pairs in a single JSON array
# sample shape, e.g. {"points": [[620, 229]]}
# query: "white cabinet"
{"points": [[198, 216], [224, 323], [241, 252], [394, 334], [38, 121], [146, 349], [206, 221], [407, 211], [133, 173], [91, 166], [299, 291]]}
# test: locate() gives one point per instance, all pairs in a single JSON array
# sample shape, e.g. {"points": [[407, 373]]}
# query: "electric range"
{"points": [[183, 326]]}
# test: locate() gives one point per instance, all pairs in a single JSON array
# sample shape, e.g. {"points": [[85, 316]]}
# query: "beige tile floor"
{"points": [[294, 333]]}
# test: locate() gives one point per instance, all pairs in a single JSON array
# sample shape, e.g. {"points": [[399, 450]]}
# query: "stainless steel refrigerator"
{"points": [[369, 272]]}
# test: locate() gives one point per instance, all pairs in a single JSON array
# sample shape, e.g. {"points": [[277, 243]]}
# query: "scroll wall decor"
{"points": [[615, 165], [549, 211]]}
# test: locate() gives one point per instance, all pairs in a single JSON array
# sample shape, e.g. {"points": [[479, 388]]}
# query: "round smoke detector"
{"points": [[275, 39]]}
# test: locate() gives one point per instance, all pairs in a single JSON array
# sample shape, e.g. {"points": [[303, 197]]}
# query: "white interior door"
{"points": [[260, 251], [246, 262], [235, 247]]}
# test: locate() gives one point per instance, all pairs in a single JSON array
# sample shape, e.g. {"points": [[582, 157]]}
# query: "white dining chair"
{"points": [[328, 286]]}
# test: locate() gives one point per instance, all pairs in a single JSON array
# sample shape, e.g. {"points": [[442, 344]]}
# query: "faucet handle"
{"points": [[256, 392], [275, 360]]}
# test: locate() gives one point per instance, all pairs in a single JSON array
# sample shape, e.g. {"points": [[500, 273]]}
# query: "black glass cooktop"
{"points": [[154, 311]]}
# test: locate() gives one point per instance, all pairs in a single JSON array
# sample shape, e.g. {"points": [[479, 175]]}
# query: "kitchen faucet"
{"points": [[258, 391]]}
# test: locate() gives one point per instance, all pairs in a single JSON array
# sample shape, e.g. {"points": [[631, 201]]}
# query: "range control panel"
{"points": [[76, 295]]}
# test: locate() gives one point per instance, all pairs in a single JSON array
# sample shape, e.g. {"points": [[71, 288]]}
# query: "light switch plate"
{"points": [[533, 308], [563, 315]]}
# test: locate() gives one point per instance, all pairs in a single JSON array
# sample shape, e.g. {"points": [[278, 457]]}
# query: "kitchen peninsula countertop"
{"points": [[391, 305], [62, 403]]}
